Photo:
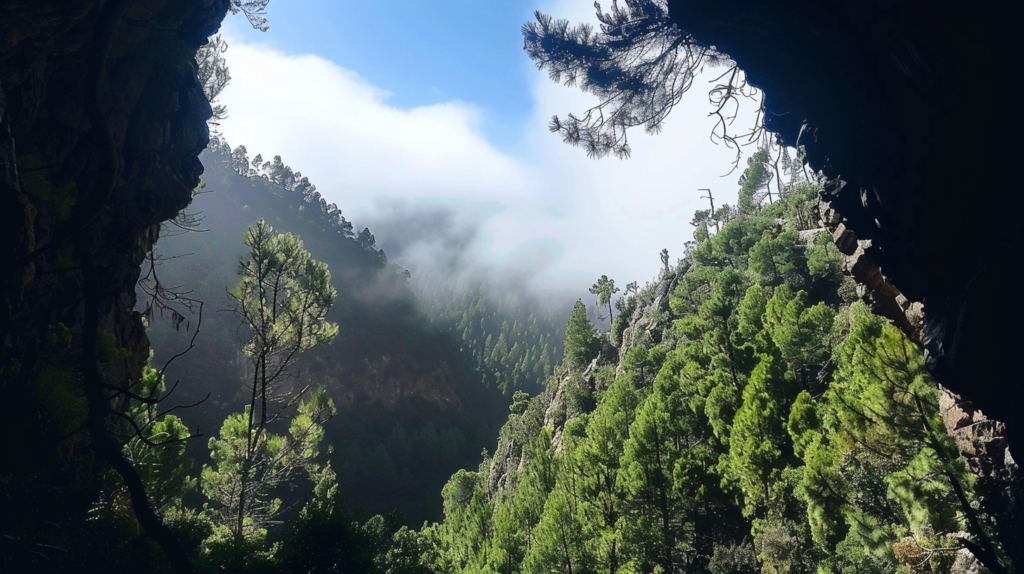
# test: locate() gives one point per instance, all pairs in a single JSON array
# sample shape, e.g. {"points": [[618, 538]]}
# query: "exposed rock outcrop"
{"points": [[873, 287], [560, 404], [650, 316], [983, 444], [981, 440]]}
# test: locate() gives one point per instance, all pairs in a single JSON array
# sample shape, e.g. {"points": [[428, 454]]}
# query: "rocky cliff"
{"points": [[571, 395], [888, 99], [102, 120]]}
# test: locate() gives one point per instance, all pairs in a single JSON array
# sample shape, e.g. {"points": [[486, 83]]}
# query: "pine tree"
{"points": [[657, 515], [283, 298], [885, 463], [558, 539], [249, 465], [754, 179], [800, 331], [779, 258], [581, 343], [604, 289], [594, 465], [213, 75], [759, 436], [637, 46], [157, 450]]}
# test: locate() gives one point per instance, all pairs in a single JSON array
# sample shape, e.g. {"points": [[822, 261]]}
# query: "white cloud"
{"points": [[335, 127], [546, 205]]}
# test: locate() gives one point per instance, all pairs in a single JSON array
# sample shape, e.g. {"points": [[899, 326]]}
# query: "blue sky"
{"points": [[420, 52], [406, 113]]}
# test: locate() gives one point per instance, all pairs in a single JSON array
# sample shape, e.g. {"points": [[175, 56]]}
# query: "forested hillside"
{"points": [[755, 417], [206, 367], [745, 412], [512, 340], [421, 384]]}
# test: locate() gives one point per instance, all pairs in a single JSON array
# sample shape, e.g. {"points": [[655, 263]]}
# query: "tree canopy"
{"points": [[767, 423]]}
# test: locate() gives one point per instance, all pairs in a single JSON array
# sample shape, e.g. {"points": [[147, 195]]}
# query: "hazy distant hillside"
{"points": [[419, 392]]}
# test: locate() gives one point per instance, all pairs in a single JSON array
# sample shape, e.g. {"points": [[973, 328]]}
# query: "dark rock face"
{"points": [[102, 120], [899, 100]]}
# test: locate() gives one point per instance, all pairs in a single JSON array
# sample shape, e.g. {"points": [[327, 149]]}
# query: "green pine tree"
{"points": [[581, 343]]}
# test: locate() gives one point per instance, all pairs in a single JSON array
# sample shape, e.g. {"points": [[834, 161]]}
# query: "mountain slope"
{"points": [[415, 402]]}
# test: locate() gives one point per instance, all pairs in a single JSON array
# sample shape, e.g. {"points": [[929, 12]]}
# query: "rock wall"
{"points": [[891, 101], [102, 120]]}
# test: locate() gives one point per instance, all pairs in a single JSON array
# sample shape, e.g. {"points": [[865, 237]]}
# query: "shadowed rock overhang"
{"points": [[905, 104]]}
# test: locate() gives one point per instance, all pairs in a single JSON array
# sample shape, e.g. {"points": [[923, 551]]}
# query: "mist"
{"points": [[440, 197]]}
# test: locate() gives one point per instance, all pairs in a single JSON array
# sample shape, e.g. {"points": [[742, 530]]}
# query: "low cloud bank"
{"points": [[439, 197]]}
